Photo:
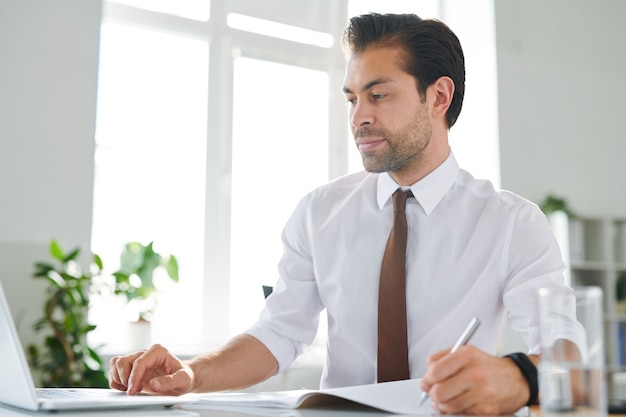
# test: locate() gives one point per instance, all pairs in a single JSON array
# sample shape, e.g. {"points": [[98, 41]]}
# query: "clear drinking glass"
{"points": [[571, 372]]}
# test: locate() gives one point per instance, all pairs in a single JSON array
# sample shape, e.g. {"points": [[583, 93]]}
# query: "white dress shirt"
{"points": [[472, 251]]}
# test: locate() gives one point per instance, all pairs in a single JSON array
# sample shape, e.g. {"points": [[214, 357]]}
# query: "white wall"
{"points": [[562, 96], [48, 82]]}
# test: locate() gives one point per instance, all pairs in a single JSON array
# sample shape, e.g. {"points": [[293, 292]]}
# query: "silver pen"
{"points": [[465, 337]]}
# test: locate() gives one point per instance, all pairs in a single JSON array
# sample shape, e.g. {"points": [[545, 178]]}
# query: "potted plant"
{"points": [[66, 359], [552, 204], [135, 279]]}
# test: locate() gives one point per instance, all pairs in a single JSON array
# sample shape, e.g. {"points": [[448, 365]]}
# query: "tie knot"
{"points": [[399, 199]]}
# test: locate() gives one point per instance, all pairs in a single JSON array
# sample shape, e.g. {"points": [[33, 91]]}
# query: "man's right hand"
{"points": [[155, 371]]}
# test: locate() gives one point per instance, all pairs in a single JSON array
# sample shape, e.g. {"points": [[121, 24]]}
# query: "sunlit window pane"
{"points": [[423, 8], [279, 30], [150, 162], [280, 152], [191, 9]]}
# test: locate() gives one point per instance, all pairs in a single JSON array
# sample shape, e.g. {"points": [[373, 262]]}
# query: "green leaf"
{"points": [[144, 291], [94, 355], [56, 251], [147, 286], [69, 324], [55, 279], [149, 248], [121, 277], [131, 258], [40, 324], [69, 278], [42, 269], [172, 268], [72, 255], [98, 261], [76, 297]]}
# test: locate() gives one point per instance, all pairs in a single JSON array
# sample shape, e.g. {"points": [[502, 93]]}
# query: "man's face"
{"points": [[389, 120]]}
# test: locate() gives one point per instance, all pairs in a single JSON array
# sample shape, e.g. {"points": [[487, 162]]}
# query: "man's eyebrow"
{"points": [[368, 85]]}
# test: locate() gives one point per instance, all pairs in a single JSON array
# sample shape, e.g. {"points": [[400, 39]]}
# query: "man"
{"points": [[472, 251]]}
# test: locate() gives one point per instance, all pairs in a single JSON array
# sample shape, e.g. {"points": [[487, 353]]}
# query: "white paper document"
{"points": [[399, 397]]}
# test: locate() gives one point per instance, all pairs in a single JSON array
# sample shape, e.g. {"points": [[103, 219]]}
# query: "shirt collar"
{"points": [[428, 191]]}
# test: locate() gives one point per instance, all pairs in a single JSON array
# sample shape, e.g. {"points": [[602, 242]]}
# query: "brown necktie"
{"points": [[393, 354]]}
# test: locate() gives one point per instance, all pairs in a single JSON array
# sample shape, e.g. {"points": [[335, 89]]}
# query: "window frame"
{"points": [[226, 44]]}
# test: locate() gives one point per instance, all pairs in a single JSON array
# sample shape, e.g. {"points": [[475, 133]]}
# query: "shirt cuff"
{"points": [[285, 350]]}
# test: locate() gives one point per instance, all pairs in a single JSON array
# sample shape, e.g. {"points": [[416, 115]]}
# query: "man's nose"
{"points": [[362, 115]]}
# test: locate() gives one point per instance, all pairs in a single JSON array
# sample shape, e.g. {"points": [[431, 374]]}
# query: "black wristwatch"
{"points": [[529, 370]]}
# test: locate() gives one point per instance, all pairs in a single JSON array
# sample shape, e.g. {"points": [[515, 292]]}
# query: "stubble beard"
{"points": [[404, 147]]}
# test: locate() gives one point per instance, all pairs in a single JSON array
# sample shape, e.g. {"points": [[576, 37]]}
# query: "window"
{"points": [[206, 113], [280, 152], [150, 147], [191, 9], [196, 144]]}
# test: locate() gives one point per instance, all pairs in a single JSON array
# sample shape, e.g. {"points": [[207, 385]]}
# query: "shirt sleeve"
{"points": [[288, 322], [534, 261]]}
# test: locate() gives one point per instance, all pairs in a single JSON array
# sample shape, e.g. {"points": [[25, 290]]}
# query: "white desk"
{"points": [[335, 411]]}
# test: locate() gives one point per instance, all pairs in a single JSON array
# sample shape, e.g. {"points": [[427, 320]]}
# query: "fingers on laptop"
{"points": [[120, 368]]}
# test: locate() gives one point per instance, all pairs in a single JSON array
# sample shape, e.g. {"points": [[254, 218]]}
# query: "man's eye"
{"points": [[379, 96], [350, 101]]}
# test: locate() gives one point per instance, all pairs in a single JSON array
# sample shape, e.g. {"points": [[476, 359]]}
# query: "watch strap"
{"points": [[529, 371]]}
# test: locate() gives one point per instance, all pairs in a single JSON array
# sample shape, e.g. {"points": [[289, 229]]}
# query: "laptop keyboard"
{"points": [[59, 394]]}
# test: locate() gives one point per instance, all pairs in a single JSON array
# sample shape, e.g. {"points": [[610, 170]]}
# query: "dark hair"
{"points": [[432, 49]]}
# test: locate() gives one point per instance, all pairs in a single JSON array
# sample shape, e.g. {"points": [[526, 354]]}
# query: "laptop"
{"points": [[17, 388]]}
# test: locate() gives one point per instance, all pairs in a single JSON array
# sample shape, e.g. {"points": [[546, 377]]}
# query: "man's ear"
{"points": [[443, 91]]}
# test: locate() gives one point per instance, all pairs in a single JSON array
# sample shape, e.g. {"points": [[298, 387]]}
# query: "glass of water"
{"points": [[571, 372]]}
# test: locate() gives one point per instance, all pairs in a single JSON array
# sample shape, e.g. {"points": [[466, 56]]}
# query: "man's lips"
{"points": [[369, 144]]}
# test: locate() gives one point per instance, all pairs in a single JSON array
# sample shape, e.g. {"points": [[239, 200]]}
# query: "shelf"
{"points": [[596, 247], [587, 240], [619, 240], [615, 317], [587, 277], [590, 265]]}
